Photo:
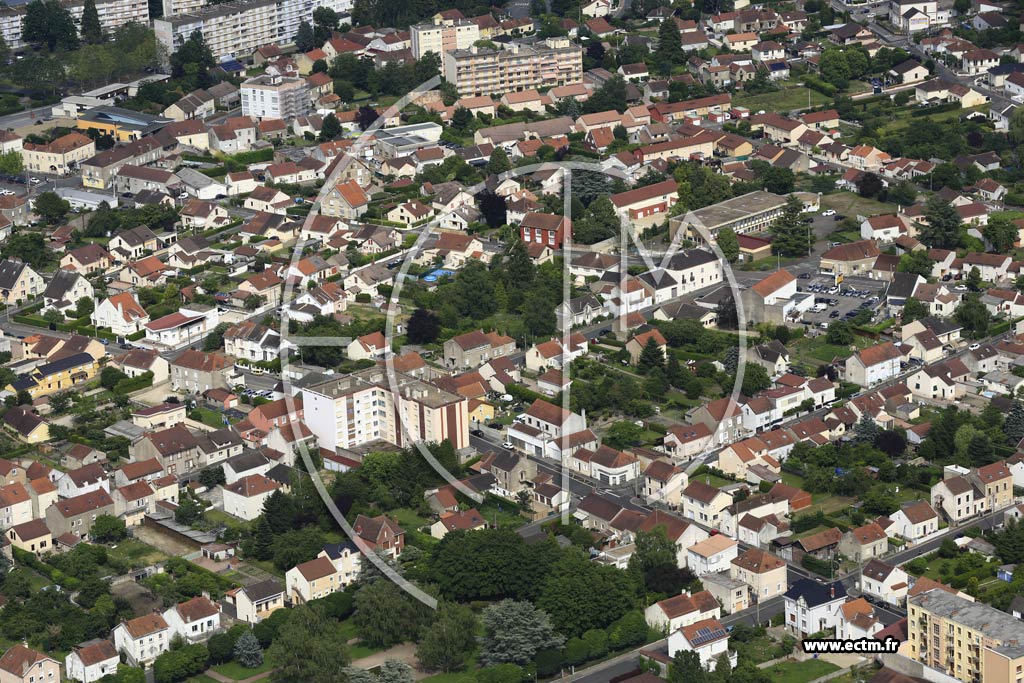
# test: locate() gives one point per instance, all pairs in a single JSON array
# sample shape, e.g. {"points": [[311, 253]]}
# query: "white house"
{"points": [[684, 609], [143, 639], [708, 638], [712, 555], [813, 606], [885, 582], [91, 661], [914, 521], [194, 620]]}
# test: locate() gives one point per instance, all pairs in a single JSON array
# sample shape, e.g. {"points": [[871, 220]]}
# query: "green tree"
{"points": [[50, 207], [755, 379], [449, 640], [385, 616], [29, 247], [177, 665], [973, 279], [839, 333], [215, 339], [916, 262], [943, 227], [331, 127], [1000, 232], [108, 529], [11, 163], [973, 316], [499, 162], [1013, 427], [686, 668], [623, 434], [866, 430], [729, 244], [913, 310], [248, 651], [304, 38], [48, 23], [651, 357], [514, 632], [792, 234], [670, 45], [308, 648], [92, 30]]}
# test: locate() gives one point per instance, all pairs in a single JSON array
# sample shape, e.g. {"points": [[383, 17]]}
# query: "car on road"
{"points": [[828, 212], [506, 444]]}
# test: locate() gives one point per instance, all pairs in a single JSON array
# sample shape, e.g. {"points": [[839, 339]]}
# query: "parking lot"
{"points": [[842, 302]]}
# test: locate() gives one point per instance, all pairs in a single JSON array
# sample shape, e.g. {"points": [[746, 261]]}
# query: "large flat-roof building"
{"points": [[236, 29], [442, 35], [970, 641], [751, 212], [481, 71], [275, 97], [349, 411], [113, 14]]}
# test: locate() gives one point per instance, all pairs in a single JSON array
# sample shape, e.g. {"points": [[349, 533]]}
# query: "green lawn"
{"points": [[782, 101], [136, 554], [906, 120], [238, 672], [852, 204], [799, 672]]}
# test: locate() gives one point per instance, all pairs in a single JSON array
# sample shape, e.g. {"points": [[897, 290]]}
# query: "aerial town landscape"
{"points": [[589, 341]]}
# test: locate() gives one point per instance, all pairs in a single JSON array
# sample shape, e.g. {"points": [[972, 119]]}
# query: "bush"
{"points": [[549, 662], [501, 673]]}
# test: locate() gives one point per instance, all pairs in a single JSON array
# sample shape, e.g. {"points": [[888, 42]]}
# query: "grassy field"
{"points": [[136, 553], [852, 204], [904, 120], [800, 672], [783, 101], [236, 671]]}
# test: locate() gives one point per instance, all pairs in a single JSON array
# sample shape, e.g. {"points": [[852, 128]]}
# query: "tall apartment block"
{"points": [[113, 14], [970, 641], [443, 35], [275, 97], [480, 71], [352, 410], [236, 29]]}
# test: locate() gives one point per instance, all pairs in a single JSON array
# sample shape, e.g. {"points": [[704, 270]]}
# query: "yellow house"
{"points": [[311, 580], [59, 375]]}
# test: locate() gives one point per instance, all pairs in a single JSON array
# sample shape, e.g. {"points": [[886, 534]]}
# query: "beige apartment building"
{"points": [[443, 35], [238, 27], [113, 14], [346, 412], [971, 641], [275, 97], [60, 157], [481, 71]]}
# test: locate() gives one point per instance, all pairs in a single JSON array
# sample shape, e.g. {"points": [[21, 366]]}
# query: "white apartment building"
{"points": [[346, 412], [443, 35], [275, 97], [482, 71], [113, 14], [235, 29]]}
